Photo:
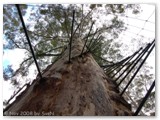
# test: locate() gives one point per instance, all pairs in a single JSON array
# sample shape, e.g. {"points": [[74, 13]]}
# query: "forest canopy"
{"points": [[49, 30]]}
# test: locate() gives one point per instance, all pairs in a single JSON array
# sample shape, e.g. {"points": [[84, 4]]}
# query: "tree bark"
{"points": [[77, 88]]}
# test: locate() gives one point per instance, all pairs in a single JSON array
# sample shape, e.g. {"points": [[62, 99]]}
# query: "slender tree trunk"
{"points": [[77, 88]]}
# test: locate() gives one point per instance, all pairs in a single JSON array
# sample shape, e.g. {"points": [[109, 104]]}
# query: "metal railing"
{"points": [[132, 65]]}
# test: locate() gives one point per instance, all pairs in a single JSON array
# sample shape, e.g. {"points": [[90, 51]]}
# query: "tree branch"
{"points": [[45, 54], [48, 37], [27, 84], [65, 17], [81, 23], [20, 66], [55, 49]]}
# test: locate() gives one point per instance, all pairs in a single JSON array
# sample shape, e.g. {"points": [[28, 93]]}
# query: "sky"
{"points": [[148, 10]]}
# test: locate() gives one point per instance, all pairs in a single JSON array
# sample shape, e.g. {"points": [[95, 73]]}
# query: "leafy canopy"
{"points": [[49, 29]]}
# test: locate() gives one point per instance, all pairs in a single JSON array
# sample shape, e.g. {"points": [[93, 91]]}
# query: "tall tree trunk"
{"points": [[77, 88]]}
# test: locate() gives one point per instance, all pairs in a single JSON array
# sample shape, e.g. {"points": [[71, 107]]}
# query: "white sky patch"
{"points": [[7, 90], [15, 57]]}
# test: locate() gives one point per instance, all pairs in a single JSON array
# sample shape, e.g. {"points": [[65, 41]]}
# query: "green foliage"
{"points": [[93, 6], [43, 12], [54, 43], [49, 29]]}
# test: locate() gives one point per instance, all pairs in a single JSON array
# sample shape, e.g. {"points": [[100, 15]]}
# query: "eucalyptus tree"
{"points": [[73, 84]]}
